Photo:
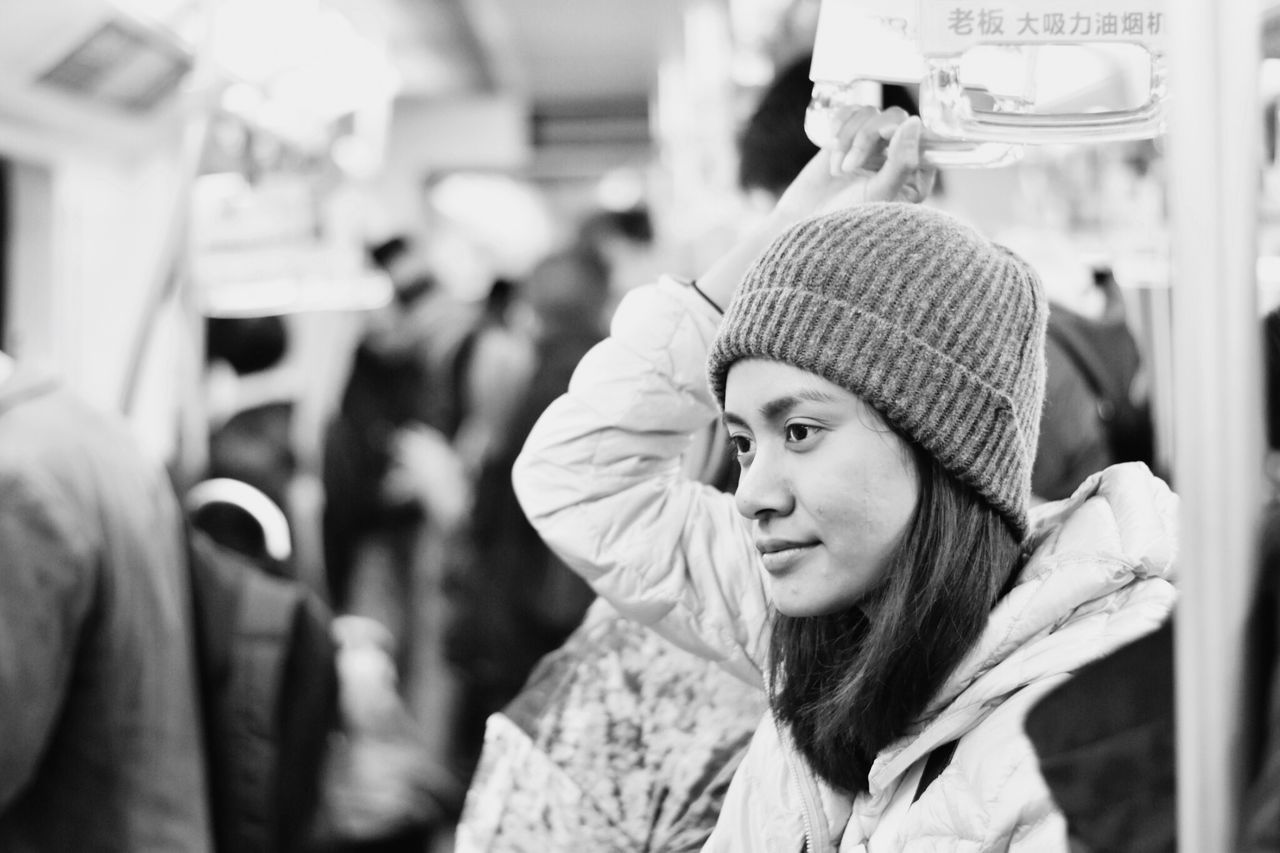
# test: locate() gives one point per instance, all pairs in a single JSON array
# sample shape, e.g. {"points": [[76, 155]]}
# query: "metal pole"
{"points": [[1213, 181]]}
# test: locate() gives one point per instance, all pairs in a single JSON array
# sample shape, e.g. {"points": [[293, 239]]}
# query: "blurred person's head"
{"points": [[625, 240], [246, 344], [568, 290], [238, 347], [385, 254], [632, 225], [498, 302], [405, 265]]}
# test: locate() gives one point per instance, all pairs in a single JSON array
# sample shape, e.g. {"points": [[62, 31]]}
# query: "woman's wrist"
{"points": [[719, 282]]}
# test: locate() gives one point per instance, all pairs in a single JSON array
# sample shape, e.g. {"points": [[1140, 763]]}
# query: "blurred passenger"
{"points": [[517, 601], [396, 492], [492, 369], [384, 392], [101, 746], [250, 431], [402, 380], [605, 229], [1097, 407], [625, 239]]}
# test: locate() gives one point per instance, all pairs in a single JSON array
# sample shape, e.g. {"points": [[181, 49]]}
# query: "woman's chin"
{"points": [[798, 607]]}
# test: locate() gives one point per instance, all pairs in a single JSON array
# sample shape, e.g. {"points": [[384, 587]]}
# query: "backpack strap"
{"points": [[259, 652], [938, 761]]}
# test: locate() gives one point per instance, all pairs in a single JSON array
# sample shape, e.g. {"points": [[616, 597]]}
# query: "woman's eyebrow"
{"points": [[777, 408]]}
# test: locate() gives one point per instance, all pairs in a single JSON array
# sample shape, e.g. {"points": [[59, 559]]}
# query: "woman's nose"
{"points": [[763, 488]]}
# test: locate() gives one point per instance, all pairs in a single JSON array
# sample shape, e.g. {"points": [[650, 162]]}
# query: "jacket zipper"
{"points": [[808, 797]]}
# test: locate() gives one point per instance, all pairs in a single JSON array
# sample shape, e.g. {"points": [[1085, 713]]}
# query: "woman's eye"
{"points": [[739, 445], [800, 433]]}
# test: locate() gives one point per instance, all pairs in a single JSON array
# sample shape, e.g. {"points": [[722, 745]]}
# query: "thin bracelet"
{"points": [[693, 282]]}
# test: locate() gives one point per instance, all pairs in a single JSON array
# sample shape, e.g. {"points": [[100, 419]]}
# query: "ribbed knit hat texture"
{"points": [[919, 315]]}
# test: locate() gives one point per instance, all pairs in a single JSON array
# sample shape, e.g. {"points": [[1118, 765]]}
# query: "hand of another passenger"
{"points": [[367, 694], [876, 157], [424, 467]]}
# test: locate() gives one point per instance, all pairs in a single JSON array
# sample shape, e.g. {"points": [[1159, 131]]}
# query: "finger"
{"points": [[920, 187], [868, 145], [847, 134], [903, 159], [902, 165]]}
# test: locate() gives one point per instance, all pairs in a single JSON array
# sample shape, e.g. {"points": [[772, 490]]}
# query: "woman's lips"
{"points": [[779, 560]]}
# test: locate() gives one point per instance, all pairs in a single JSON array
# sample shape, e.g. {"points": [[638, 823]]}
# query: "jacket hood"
{"points": [[1100, 574]]}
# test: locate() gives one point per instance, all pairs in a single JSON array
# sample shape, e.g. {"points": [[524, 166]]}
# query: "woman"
{"points": [[880, 372]]}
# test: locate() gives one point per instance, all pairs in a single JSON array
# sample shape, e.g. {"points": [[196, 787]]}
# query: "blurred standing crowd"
{"points": [[422, 533]]}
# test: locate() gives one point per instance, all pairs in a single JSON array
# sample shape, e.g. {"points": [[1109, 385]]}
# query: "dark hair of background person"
{"points": [[850, 683], [568, 288], [382, 254], [773, 148], [501, 296], [409, 285], [632, 224], [248, 344]]}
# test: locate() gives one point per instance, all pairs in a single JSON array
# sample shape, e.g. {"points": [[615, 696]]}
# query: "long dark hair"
{"points": [[850, 683]]}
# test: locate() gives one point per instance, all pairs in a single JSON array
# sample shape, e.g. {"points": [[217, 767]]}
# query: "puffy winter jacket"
{"points": [[600, 478]]}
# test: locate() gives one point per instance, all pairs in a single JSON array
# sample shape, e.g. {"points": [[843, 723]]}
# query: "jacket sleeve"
{"points": [[600, 477]]}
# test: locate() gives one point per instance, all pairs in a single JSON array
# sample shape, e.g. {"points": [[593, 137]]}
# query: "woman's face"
{"points": [[829, 488]]}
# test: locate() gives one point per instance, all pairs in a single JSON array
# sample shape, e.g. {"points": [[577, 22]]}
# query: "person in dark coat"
{"points": [[518, 600]]}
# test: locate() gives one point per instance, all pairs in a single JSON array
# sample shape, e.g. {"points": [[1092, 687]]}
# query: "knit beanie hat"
{"points": [[937, 328]]}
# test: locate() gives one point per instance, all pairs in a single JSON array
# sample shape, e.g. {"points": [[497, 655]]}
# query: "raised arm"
{"points": [[600, 477]]}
